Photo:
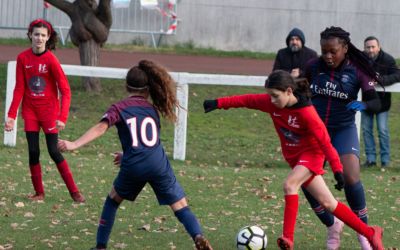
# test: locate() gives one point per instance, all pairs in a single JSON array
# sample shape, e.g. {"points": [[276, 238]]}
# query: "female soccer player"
{"points": [[143, 159], [336, 78], [305, 144], [39, 80]]}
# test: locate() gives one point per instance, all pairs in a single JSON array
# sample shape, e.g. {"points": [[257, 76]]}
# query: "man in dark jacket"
{"points": [[385, 65], [294, 57]]}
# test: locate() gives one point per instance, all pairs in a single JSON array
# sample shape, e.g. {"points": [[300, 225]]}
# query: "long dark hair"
{"points": [[355, 55], [149, 76], [282, 80], [41, 23]]}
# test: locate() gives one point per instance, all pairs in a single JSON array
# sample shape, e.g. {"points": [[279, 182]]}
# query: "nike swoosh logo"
{"points": [[50, 129], [28, 66], [354, 149], [275, 114], [302, 161]]}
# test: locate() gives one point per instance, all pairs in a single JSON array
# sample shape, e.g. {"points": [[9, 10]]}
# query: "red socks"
{"points": [[346, 215], [36, 177], [66, 174], [290, 215]]}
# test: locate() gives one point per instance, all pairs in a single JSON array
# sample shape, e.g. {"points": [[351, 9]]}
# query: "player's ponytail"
{"points": [[53, 36], [282, 80], [162, 88]]}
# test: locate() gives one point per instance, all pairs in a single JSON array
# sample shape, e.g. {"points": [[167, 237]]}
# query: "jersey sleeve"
{"points": [[111, 116], [318, 129], [64, 88], [260, 102], [18, 90], [366, 82]]}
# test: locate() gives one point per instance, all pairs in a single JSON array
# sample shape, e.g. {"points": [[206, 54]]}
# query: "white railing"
{"points": [[183, 79]]}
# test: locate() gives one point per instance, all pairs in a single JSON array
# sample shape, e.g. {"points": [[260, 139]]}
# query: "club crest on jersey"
{"points": [[43, 68], [292, 121], [345, 78]]}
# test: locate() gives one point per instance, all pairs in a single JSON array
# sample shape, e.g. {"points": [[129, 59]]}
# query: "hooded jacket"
{"points": [[288, 60]]}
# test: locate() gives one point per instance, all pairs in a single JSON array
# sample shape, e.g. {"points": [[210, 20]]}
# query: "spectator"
{"points": [[385, 65], [293, 58]]}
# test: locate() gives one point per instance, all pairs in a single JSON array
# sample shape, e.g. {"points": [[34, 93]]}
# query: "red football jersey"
{"points": [[39, 79], [300, 129]]}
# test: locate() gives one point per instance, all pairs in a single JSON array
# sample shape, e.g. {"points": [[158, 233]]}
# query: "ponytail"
{"points": [[162, 88]]}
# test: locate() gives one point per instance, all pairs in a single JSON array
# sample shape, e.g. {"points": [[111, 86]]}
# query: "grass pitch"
{"points": [[232, 175]]}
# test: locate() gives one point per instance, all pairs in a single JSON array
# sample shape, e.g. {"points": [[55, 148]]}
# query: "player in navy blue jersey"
{"points": [[143, 159], [336, 78]]}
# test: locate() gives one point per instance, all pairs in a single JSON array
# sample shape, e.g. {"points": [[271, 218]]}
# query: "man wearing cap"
{"points": [[294, 57]]}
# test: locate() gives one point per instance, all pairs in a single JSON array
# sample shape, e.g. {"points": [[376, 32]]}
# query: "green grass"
{"points": [[233, 177]]}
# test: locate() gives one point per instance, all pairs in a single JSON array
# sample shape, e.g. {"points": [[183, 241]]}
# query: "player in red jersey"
{"points": [[39, 80], [305, 144]]}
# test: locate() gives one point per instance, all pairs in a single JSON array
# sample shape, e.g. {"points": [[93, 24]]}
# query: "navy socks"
{"points": [[324, 216], [356, 198], [106, 222], [189, 221]]}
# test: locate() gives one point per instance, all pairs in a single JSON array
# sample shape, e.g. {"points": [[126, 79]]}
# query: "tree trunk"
{"points": [[89, 52]]}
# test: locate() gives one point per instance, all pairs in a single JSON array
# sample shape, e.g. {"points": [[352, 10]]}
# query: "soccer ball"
{"points": [[251, 238]]}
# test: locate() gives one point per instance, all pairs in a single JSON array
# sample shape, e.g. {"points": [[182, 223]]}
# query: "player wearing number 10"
{"points": [[143, 159]]}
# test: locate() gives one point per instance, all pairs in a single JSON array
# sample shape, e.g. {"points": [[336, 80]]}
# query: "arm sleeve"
{"points": [[18, 90], [372, 101], [260, 102], [393, 75], [65, 91], [277, 62], [320, 133]]}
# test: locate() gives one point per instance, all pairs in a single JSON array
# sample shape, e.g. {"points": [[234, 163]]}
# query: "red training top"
{"points": [[300, 129], [38, 80]]}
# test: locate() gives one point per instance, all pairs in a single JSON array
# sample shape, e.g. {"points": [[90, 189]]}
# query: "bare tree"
{"points": [[91, 22]]}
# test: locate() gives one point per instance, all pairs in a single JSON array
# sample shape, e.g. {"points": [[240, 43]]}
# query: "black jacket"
{"points": [[288, 60], [385, 65]]}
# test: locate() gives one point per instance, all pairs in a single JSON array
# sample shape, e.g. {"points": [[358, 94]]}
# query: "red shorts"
{"points": [[40, 115], [312, 161], [49, 127]]}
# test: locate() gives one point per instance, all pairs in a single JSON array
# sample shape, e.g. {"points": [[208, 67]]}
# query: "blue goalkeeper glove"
{"points": [[356, 106], [210, 105]]}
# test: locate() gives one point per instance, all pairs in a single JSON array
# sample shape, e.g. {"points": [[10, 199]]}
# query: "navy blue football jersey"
{"points": [[138, 125]]}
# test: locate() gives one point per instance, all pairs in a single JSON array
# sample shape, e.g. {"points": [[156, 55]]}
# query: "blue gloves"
{"points": [[356, 106]]}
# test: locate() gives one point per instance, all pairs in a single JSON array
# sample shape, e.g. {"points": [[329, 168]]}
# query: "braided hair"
{"points": [[354, 54]]}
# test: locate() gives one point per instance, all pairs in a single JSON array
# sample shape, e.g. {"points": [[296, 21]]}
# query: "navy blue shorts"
{"points": [[128, 184], [345, 140]]}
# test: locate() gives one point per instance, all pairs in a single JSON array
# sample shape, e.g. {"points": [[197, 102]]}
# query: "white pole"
{"points": [[10, 138], [182, 94]]}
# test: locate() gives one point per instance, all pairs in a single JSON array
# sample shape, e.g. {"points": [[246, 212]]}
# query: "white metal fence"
{"points": [[134, 18], [183, 79]]}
